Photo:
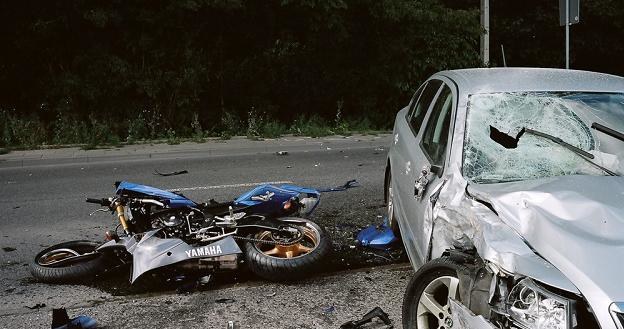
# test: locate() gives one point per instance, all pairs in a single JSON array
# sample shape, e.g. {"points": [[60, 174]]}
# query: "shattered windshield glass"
{"points": [[567, 115]]}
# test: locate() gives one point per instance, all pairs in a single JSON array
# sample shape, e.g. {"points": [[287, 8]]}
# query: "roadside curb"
{"points": [[235, 146]]}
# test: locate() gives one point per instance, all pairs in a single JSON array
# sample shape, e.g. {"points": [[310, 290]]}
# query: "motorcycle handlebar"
{"points": [[101, 202]]}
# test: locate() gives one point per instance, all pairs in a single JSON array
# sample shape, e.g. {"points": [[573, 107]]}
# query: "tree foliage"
{"points": [[145, 67]]}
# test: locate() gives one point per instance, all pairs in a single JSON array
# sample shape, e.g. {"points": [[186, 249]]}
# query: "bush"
{"points": [[230, 125], [313, 126], [148, 124], [273, 129], [26, 132], [172, 139]]}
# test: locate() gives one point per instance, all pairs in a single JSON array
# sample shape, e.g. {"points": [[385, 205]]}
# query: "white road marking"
{"points": [[195, 188]]}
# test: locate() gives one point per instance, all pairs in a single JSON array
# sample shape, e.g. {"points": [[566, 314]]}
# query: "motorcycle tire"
{"points": [[288, 263], [68, 262]]}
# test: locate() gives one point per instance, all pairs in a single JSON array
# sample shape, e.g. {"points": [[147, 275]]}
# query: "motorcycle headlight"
{"points": [[533, 307]]}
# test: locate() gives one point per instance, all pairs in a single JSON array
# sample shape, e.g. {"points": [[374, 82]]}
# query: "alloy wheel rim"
{"points": [[306, 245], [433, 310], [59, 256]]}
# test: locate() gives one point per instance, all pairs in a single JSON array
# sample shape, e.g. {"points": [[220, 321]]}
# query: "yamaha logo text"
{"points": [[204, 251]]}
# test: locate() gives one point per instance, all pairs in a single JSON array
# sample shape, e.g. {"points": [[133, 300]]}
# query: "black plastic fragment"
{"points": [[173, 173], [36, 306], [377, 312], [225, 301], [349, 184]]}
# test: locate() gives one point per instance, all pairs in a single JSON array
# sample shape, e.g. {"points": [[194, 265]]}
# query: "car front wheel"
{"points": [[426, 300]]}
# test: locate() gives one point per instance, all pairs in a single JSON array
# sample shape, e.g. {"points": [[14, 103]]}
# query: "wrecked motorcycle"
{"points": [[166, 231]]}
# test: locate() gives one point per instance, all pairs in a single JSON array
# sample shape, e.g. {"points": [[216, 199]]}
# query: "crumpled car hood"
{"points": [[574, 222]]}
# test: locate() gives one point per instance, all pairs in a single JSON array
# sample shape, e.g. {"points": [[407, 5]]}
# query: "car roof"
{"points": [[488, 80]]}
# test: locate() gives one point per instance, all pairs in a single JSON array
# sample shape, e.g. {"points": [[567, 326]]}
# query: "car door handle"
{"points": [[421, 183]]}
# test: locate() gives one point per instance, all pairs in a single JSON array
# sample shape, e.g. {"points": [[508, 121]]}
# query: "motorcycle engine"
{"points": [[178, 223]]}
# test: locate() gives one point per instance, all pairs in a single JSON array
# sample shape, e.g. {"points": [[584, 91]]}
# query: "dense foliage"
{"points": [[107, 71]]}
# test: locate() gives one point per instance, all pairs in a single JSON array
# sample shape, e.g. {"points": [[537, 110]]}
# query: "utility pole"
{"points": [[485, 32], [567, 32], [568, 14]]}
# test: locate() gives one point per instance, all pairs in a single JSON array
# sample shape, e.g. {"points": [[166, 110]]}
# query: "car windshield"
{"points": [[566, 115]]}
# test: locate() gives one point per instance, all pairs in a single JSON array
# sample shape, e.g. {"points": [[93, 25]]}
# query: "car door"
{"points": [[407, 128], [426, 155]]}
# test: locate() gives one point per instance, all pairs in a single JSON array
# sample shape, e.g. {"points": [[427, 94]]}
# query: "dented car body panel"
{"points": [[558, 222]]}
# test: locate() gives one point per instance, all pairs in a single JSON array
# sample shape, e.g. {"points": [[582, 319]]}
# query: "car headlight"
{"points": [[533, 307]]}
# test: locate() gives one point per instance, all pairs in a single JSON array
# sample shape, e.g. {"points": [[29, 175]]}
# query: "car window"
{"points": [[415, 99], [569, 116], [420, 108], [435, 136]]}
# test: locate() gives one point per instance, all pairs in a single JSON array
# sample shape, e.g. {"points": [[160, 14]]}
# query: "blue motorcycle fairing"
{"points": [[172, 199], [377, 236], [280, 195]]}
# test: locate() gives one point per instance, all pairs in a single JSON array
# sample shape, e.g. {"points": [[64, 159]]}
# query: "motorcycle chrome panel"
{"points": [[153, 252]]}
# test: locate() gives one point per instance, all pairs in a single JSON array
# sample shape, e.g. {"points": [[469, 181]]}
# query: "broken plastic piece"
{"points": [[36, 306], [377, 236], [377, 312], [281, 153], [173, 173], [349, 184]]}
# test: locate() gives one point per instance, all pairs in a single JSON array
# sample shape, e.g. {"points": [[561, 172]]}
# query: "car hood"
{"points": [[574, 222]]}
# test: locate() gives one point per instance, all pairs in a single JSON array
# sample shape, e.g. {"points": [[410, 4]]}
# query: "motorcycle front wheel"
{"points": [[288, 262], [68, 262]]}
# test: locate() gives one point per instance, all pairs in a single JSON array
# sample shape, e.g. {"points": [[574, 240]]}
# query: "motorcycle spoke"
{"points": [[272, 252], [303, 249]]}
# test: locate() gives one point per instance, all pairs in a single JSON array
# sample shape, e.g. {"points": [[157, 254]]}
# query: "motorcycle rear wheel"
{"points": [[288, 263], [68, 262]]}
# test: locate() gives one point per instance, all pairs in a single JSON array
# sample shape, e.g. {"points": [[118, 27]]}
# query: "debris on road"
{"points": [[225, 301], [8, 249], [329, 310], [281, 153], [60, 320], [377, 236], [36, 306], [377, 312], [349, 184], [173, 173]]}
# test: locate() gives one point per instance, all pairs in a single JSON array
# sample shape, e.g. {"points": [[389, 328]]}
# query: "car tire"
{"points": [[389, 200], [425, 303]]}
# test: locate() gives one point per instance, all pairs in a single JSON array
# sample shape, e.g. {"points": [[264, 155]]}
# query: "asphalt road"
{"points": [[42, 204]]}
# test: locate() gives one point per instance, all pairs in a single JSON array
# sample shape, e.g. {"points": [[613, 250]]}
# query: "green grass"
{"points": [[30, 133]]}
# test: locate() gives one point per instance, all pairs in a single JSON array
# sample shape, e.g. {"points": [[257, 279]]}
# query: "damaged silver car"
{"points": [[505, 186]]}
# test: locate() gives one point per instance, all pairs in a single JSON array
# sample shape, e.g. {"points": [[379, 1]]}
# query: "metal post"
{"points": [[567, 29], [503, 52], [485, 33]]}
